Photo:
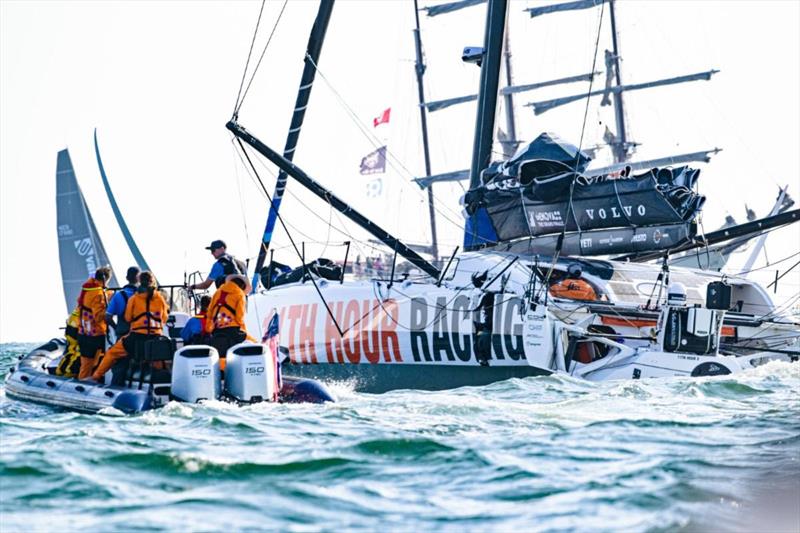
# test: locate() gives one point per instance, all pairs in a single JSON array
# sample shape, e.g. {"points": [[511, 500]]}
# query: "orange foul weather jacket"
{"points": [[144, 318], [227, 309], [92, 302]]}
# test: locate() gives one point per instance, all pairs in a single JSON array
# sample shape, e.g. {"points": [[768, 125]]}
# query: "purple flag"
{"points": [[374, 163]]}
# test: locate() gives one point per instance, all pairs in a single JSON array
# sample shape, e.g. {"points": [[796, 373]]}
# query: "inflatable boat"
{"points": [[161, 374]]}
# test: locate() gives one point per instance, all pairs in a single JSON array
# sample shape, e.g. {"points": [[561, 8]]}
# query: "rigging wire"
{"points": [[356, 241], [259, 186], [296, 249], [769, 265], [247, 63], [255, 69], [560, 241], [393, 160], [241, 201]]}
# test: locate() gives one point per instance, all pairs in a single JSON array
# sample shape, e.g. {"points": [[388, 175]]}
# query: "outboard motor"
{"points": [[195, 374], [251, 373]]}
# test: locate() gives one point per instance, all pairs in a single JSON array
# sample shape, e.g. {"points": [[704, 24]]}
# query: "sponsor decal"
{"points": [[610, 240], [85, 249], [545, 219], [641, 237], [657, 236], [369, 326], [586, 243], [64, 230], [614, 212], [437, 330]]}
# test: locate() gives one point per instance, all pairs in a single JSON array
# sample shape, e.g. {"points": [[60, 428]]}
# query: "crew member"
{"points": [[483, 319], [572, 286], [116, 307], [194, 332], [70, 364], [226, 316], [225, 265], [146, 312], [92, 327]]}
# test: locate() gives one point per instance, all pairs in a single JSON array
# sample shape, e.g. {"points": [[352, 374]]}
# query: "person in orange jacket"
{"points": [[92, 328], [146, 312], [573, 287], [226, 316]]}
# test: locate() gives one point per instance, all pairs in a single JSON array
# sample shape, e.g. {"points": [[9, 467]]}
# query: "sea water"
{"points": [[536, 454]]}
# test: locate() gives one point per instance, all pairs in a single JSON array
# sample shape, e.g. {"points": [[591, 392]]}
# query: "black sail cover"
{"points": [[542, 189]]}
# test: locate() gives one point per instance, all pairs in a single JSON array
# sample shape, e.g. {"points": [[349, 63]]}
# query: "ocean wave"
{"points": [[550, 453]]}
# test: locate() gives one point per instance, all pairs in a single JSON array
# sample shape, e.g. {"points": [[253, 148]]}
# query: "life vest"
{"points": [[70, 362], [227, 308], [93, 302], [230, 265], [574, 289], [145, 314], [73, 323]]}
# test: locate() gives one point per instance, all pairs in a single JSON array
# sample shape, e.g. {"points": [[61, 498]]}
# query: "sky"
{"points": [[159, 80]]}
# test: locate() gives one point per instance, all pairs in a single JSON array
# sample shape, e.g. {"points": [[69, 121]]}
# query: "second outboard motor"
{"points": [[251, 373], [195, 374]]}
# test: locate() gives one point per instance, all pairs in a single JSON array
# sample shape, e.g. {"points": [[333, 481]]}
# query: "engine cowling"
{"points": [[195, 374], [251, 373]]}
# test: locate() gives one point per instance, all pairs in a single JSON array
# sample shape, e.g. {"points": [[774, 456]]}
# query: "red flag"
{"points": [[384, 117]]}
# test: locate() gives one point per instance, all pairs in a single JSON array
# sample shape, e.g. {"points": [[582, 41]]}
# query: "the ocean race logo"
{"points": [[85, 249], [545, 219]]}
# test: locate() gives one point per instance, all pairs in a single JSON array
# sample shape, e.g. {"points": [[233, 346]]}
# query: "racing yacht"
{"points": [[533, 220]]}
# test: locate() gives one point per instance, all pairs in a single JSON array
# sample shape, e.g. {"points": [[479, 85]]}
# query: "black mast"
{"points": [[487, 102], [620, 147], [297, 173], [313, 49], [423, 114]]}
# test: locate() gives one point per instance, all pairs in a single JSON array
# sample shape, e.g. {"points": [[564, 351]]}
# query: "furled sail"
{"points": [[79, 247], [542, 191]]}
